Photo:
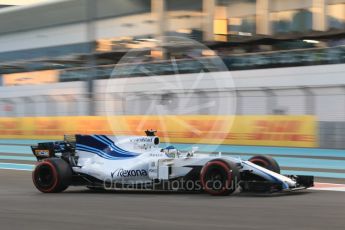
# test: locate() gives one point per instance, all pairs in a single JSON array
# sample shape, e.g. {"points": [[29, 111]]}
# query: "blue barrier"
{"points": [[14, 166]]}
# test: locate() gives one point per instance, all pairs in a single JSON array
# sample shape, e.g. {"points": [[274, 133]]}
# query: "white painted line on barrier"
{"points": [[15, 169], [329, 187]]}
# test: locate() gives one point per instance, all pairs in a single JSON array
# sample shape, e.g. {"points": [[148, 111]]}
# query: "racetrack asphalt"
{"points": [[23, 207]]}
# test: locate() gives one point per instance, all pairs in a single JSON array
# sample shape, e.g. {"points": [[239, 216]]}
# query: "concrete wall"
{"points": [[332, 135], [316, 90]]}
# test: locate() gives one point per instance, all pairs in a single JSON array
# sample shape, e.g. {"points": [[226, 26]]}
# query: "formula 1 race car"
{"points": [[137, 162]]}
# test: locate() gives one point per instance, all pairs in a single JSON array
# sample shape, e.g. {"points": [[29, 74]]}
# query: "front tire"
{"points": [[52, 175], [266, 162], [219, 178]]}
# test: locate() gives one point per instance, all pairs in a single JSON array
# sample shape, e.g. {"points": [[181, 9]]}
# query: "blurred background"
{"points": [[286, 58]]}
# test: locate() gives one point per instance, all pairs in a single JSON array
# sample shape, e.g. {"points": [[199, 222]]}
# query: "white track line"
{"points": [[329, 187]]}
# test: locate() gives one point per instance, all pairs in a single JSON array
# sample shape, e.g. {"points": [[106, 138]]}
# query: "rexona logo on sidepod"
{"points": [[129, 173]]}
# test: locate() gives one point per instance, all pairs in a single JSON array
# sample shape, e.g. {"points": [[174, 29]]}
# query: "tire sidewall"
{"points": [[229, 172], [266, 162], [62, 175], [55, 177]]}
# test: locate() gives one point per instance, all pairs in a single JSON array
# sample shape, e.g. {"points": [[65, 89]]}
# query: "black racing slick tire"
{"points": [[219, 177], [266, 162], [53, 175]]}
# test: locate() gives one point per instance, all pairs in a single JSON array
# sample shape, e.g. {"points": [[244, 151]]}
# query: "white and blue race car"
{"points": [[137, 162]]}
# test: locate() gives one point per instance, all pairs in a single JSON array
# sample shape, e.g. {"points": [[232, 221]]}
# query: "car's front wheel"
{"points": [[219, 177], [266, 162]]}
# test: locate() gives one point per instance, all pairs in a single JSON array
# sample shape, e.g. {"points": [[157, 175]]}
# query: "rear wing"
{"points": [[55, 148]]}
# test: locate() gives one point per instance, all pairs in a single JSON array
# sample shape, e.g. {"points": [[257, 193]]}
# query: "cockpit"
{"points": [[171, 152]]}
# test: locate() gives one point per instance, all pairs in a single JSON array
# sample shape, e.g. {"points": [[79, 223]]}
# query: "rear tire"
{"points": [[219, 178], [266, 162], [52, 175]]}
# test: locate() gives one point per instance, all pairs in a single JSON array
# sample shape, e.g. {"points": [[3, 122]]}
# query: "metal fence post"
{"points": [[309, 100], [239, 103], [51, 102], [30, 106], [91, 13], [271, 102], [71, 104]]}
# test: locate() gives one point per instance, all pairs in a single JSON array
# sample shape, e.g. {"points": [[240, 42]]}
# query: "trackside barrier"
{"points": [[289, 131]]}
